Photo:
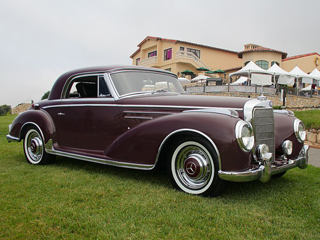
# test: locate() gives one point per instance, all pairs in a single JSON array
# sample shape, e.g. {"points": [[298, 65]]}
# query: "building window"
{"points": [[152, 54], [168, 54], [245, 64], [168, 69], [194, 51], [137, 61], [274, 62], [263, 64], [181, 48]]}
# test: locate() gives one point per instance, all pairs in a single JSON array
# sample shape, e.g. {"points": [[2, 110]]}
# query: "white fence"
{"points": [[226, 88]]}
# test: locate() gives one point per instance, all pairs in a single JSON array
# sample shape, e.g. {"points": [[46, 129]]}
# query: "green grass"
{"points": [[310, 118], [72, 199]]}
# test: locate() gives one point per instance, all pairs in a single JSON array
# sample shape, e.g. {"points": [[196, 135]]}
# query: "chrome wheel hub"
{"points": [[193, 167], [34, 147]]}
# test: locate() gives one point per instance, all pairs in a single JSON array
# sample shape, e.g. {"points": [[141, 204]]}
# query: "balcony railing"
{"points": [[192, 57], [148, 61]]}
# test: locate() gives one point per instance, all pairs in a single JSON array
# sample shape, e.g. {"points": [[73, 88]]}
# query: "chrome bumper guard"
{"points": [[266, 169]]}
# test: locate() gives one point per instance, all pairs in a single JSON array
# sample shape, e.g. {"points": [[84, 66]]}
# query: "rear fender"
{"points": [[33, 118]]}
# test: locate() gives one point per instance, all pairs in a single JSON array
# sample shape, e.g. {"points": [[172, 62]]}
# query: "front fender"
{"points": [[37, 118], [142, 143]]}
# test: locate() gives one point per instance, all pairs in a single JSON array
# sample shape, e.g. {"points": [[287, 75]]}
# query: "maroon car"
{"points": [[137, 117]]}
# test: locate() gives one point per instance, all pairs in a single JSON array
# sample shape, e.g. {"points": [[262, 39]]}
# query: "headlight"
{"points": [[244, 135], [299, 130]]}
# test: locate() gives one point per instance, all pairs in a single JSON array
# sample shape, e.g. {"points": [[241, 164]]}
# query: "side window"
{"points": [[88, 87], [103, 88]]}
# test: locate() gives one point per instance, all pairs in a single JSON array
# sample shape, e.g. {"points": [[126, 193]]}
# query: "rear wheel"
{"points": [[194, 167], [34, 149]]}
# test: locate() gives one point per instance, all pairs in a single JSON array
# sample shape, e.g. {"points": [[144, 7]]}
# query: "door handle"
{"points": [[61, 114]]}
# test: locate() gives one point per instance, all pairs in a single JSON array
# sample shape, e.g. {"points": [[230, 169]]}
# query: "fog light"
{"points": [[287, 147], [263, 152]]}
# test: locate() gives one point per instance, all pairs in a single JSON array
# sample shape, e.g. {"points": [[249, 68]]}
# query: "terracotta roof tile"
{"points": [[262, 49], [300, 56]]}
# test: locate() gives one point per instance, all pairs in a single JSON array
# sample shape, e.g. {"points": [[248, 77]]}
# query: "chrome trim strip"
{"points": [[263, 172], [139, 106], [225, 111], [138, 117], [80, 105], [149, 112], [188, 130], [100, 160], [285, 112]]}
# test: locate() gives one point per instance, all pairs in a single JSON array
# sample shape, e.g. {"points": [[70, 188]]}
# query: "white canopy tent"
{"points": [[284, 77], [240, 81], [252, 71], [199, 78], [250, 68], [298, 73], [315, 74]]}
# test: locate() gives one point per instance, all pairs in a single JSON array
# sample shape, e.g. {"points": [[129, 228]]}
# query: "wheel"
{"points": [[33, 146], [194, 167], [278, 175]]}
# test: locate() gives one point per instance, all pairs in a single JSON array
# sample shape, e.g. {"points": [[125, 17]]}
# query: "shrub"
{"points": [[4, 109]]}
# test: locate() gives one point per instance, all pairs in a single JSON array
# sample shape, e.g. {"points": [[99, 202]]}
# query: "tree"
{"points": [[45, 96], [4, 109]]}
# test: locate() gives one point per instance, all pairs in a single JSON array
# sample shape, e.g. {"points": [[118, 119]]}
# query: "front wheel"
{"points": [[194, 167], [34, 149]]}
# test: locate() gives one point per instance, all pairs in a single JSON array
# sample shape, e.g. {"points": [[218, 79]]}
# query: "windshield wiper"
{"points": [[160, 91]]}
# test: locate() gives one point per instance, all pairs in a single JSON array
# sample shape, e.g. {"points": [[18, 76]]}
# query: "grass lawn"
{"points": [[72, 199], [310, 118]]}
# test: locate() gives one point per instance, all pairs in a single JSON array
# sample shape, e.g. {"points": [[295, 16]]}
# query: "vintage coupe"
{"points": [[137, 117]]}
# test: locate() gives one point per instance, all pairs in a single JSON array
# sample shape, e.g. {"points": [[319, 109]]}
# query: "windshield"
{"points": [[134, 82]]}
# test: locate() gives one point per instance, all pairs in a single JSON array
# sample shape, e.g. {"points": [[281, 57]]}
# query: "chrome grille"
{"points": [[263, 126]]}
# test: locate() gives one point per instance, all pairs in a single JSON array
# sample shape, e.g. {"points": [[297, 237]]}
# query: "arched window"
{"points": [[263, 64], [274, 62]]}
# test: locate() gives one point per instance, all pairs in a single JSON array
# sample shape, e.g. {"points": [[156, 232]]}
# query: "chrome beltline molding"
{"points": [[139, 106]]}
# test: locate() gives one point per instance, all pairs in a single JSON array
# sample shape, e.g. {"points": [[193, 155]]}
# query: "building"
{"points": [[177, 56]]}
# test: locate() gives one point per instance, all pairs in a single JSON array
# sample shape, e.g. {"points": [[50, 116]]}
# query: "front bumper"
{"points": [[266, 169]]}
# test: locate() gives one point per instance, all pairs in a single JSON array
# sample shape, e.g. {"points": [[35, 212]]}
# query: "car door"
{"points": [[87, 119]]}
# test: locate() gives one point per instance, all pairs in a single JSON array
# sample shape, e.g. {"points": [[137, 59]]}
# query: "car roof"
{"points": [[59, 83]]}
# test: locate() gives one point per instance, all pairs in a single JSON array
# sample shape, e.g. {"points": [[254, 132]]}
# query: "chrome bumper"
{"points": [[266, 169], [12, 139]]}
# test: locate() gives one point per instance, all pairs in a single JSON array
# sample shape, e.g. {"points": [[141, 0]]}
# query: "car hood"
{"points": [[186, 101]]}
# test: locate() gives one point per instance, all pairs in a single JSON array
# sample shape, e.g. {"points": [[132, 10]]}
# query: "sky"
{"points": [[42, 39]]}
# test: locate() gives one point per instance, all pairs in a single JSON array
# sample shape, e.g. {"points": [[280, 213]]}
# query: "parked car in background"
{"points": [[136, 117]]}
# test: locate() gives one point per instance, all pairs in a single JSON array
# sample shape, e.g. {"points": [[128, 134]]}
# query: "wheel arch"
{"points": [[182, 133], [40, 120]]}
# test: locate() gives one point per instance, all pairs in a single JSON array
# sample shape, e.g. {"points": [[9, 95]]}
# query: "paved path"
{"points": [[314, 156]]}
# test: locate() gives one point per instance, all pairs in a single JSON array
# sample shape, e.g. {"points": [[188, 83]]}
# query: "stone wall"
{"points": [[21, 108], [313, 136]]}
